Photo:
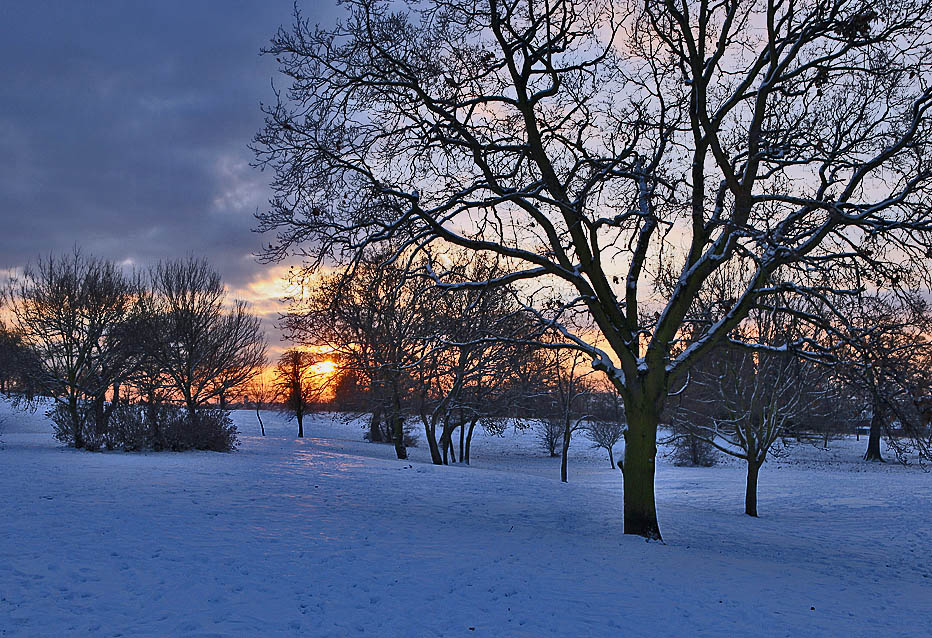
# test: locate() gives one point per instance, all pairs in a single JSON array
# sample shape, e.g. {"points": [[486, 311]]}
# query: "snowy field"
{"points": [[329, 536]]}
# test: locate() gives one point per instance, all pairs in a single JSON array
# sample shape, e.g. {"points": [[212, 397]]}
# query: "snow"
{"points": [[330, 536]]}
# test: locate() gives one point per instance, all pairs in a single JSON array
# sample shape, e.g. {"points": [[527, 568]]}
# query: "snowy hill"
{"points": [[330, 536]]}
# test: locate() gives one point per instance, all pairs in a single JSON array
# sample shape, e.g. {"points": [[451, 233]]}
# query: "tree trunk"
{"points": [[430, 431], [76, 429], [259, 417], [611, 457], [152, 418], [462, 439], [446, 441], [472, 427], [375, 432], [873, 441], [750, 492], [100, 422], [640, 513], [398, 434], [300, 417], [566, 448]]}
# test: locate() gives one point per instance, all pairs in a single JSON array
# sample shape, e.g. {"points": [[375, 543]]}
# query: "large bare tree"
{"points": [[73, 313], [590, 142], [200, 346]]}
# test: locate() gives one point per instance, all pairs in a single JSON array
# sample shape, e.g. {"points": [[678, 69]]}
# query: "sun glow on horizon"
{"points": [[324, 368]]}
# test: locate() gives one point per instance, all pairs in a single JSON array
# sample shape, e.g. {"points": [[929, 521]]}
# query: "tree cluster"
{"points": [[602, 146], [130, 360]]}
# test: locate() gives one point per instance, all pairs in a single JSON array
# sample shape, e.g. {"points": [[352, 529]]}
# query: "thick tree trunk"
{"points": [[398, 436], [873, 441], [375, 432], [750, 492], [76, 429], [640, 512], [611, 457], [430, 431], [300, 417]]}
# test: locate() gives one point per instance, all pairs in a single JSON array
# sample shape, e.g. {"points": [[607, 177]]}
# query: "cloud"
{"points": [[125, 126]]}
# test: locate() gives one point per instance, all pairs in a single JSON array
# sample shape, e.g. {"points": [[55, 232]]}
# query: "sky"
{"points": [[124, 128]]}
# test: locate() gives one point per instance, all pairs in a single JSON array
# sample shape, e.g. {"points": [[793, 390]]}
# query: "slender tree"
{"points": [[261, 394], [295, 383], [884, 358]]}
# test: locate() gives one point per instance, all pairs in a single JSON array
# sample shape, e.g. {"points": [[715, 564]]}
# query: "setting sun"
{"points": [[325, 367]]}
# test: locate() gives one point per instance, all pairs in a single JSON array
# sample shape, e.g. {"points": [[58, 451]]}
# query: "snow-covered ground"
{"points": [[330, 536]]}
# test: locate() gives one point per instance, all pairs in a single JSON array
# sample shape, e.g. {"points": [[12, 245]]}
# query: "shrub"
{"points": [[64, 430], [206, 429], [129, 429], [550, 435], [690, 450], [158, 427]]}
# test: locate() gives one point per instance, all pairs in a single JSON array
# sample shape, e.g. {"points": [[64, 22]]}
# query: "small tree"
{"points": [[690, 449], [744, 402], [19, 365], [295, 385], [605, 434], [550, 434], [260, 393], [884, 363]]}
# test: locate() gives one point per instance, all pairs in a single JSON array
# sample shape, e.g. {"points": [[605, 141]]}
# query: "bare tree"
{"points": [[261, 394], [372, 319], [884, 363], [202, 347], [587, 142], [473, 340], [71, 311], [742, 402], [19, 365], [296, 384], [606, 429], [568, 375]]}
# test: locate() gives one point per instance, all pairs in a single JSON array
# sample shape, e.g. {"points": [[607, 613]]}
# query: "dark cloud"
{"points": [[124, 125]]}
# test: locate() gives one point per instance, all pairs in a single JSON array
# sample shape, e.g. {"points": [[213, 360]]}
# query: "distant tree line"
{"points": [[129, 360]]}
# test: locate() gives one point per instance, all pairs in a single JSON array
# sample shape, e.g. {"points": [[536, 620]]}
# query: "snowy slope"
{"points": [[329, 536]]}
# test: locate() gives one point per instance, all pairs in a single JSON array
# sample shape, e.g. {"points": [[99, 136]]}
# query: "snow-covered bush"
{"points": [[209, 429], [63, 426], [160, 427], [130, 430]]}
